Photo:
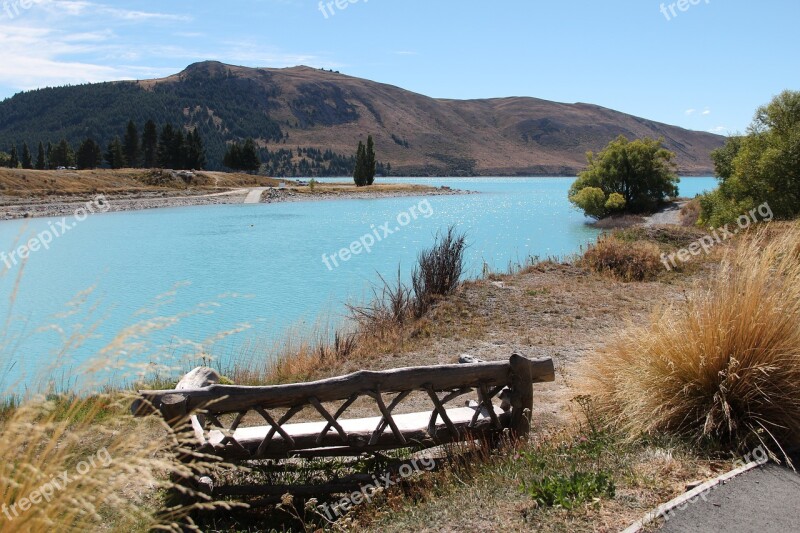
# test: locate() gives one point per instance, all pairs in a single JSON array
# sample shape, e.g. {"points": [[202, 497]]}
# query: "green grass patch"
{"points": [[570, 491]]}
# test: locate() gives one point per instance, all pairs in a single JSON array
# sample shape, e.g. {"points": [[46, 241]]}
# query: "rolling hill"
{"points": [[328, 112]]}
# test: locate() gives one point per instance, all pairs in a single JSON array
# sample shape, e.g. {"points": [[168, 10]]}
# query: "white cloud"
{"points": [[706, 112], [33, 58], [690, 111]]}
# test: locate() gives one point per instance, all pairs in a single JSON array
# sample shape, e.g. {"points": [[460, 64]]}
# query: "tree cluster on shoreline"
{"points": [[365, 170], [171, 148], [761, 166]]}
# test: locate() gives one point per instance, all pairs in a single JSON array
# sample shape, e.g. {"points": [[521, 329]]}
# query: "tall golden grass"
{"points": [[723, 368], [65, 471]]}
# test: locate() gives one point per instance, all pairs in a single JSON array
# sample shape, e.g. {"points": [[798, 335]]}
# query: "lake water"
{"points": [[255, 269]]}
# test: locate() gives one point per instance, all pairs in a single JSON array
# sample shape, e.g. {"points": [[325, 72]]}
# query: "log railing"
{"points": [[205, 407]]}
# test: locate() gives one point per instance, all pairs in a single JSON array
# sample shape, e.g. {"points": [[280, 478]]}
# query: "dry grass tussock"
{"points": [[725, 368], [64, 471], [625, 261]]}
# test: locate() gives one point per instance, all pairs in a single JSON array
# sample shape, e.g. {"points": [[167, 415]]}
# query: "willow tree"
{"points": [[626, 176]]}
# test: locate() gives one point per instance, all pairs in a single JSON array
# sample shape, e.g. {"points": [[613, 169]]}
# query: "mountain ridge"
{"points": [[327, 111]]}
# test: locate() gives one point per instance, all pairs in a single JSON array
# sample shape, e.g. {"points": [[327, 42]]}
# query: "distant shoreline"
{"points": [[59, 206]]}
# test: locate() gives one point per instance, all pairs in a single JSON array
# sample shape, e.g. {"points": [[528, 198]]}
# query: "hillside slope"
{"points": [[327, 111]]}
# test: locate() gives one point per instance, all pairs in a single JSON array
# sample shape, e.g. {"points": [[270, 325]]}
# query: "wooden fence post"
{"points": [[521, 395]]}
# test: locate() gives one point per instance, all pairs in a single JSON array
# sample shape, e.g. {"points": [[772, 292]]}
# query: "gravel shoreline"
{"points": [[58, 206]]}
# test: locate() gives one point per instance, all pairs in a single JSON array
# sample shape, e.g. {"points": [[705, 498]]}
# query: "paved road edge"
{"points": [[683, 498]]}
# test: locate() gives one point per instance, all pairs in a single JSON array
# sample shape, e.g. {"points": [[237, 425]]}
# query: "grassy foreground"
{"points": [[604, 450]]}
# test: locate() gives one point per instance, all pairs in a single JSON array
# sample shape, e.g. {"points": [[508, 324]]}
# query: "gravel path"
{"points": [[670, 215]]}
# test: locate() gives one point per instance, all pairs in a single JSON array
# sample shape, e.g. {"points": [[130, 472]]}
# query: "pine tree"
{"points": [[13, 161], [233, 157], [195, 153], [115, 155], [131, 145], [27, 159], [48, 155], [360, 173], [177, 150], [370, 162], [250, 161], [62, 155], [41, 162], [150, 144], [165, 145], [89, 155]]}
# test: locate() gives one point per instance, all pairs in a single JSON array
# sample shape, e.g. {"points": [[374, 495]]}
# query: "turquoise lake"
{"points": [[257, 269]]}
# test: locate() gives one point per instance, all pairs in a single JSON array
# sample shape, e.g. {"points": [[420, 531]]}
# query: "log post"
{"points": [[188, 427], [521, 395]]}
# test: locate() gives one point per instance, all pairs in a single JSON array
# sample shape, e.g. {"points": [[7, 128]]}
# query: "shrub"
{"points": [[690, 213], [592, 200], [439, 270], [615, 202], [724, 368], [626, 261], [637, 176], [438, 273]]}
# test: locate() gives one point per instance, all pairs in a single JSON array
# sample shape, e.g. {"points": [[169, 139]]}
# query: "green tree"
{"points": [[642, 172], [131, 145], [360, 173], [49, 155], [250, 161], [761, 166], [13, 160], [62, 155], [370, 162], [41, 162], [4, 159], [115, 154], [27, 159], [150, 144], [233, 157], [195, 152], [177, 150], [243, 157], [166, 143], [89, 155]]}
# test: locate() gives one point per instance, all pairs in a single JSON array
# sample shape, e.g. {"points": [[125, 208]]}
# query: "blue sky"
{"points": [[704, 68]]}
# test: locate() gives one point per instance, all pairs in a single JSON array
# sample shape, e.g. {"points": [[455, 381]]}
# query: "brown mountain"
{"points": [[429, 136], [310, 108]]}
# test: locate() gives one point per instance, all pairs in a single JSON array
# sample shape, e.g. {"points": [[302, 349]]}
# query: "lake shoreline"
{"points": [[67, 205]]}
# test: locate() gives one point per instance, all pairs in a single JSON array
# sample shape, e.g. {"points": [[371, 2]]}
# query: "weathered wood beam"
{"points": [[222, 399]]}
